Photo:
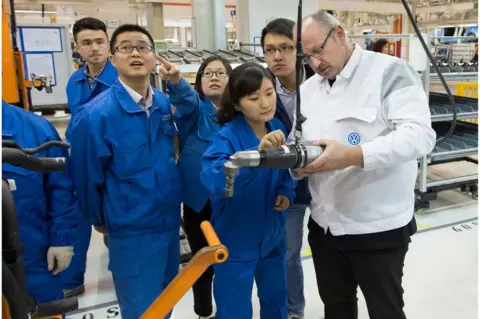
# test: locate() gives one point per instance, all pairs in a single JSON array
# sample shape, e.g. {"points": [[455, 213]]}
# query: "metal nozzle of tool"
{"points": [[282, 157], [47, 83]]}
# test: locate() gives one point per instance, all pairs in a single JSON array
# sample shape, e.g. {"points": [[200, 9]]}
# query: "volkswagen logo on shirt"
{"points": [[354, 138]]}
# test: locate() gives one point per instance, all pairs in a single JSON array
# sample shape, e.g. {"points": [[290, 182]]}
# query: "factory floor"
{"points": [[440, 275]]}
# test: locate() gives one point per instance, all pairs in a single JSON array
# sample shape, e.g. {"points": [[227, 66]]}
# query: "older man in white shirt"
{"points": [[372, 114]]}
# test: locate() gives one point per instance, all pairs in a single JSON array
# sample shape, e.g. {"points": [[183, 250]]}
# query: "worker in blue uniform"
{"points": [[45, 204], [197, 125], [126, 176], [252, 223], [98, 73]]}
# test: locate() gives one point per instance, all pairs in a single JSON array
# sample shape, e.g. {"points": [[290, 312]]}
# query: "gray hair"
{"points": [[325, 20]]}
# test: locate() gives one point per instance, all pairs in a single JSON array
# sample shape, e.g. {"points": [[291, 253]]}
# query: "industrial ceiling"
{"points": [[429, 12]]}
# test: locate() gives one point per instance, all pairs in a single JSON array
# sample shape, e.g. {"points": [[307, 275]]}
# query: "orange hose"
{"points": [[209, 233]]}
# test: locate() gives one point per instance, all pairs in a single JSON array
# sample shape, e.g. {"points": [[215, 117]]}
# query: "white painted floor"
{"points": [[441, 272], [441, 268]]}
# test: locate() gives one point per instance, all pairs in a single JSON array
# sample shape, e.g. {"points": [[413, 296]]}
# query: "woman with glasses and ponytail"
{"points": [[196, 120]]}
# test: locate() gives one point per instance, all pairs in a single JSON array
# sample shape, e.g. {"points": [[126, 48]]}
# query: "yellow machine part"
{"points": [[10, 92], [468, 90]]}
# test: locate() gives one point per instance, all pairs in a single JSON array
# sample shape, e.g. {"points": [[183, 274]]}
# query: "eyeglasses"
{"points": [[281, 49], [143, 48], [317, 53], [219, 74]]}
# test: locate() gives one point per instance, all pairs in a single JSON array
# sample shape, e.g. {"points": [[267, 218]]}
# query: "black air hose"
{"points": [[435, 66]]}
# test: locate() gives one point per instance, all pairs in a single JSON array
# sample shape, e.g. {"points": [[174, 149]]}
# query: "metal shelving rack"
{"points": [[461, 146], [188, 61]]}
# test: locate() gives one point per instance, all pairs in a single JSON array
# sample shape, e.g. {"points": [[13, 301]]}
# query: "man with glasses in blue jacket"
{"points": [[126, 176]]}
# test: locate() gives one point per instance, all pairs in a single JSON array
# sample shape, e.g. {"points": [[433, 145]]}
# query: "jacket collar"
{"points": [[211, 109], [107, 76], [348, 69], [352, 62], [246, 136], [136, 96], [127, 102]]}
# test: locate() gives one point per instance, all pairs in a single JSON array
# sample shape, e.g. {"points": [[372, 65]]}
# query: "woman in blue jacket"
{"points": [[197, 125], [251, 223]]}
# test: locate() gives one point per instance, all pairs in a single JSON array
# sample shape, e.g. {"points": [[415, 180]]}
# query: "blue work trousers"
{"points": [[294, 239], [233, 285], [142, 267]]}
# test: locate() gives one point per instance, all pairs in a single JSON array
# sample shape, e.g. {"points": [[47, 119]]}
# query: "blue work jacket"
{"points": [[125, 173], [78, 92], [196, 123], [246, 223], [45, 202]]}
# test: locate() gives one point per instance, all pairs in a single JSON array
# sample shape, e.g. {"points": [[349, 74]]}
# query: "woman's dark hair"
{"points": [[244, 80], [205, 63], [379, 44]]}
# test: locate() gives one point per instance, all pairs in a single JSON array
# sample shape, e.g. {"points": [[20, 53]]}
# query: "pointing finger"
{"points": [[164, 62]]}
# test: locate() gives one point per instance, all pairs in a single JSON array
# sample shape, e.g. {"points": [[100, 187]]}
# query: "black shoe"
{"points": [[74, 292]]}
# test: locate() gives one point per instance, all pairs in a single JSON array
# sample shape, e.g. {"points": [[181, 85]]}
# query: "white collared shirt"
{"points": [[139, 99], [377, 102]]}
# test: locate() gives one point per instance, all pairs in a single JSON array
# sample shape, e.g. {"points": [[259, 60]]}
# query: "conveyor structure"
{"points": [[463, 142], [441, 110], [196, 56], [461, 146], [188, 60]]}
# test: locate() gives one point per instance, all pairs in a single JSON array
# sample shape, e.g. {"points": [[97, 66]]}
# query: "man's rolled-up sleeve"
{"points": [[407, 111]]}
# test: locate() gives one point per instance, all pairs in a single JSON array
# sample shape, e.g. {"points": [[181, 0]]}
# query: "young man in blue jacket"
{"points": [[125, 174], [280, 55], [45, 204], [98, 73]]}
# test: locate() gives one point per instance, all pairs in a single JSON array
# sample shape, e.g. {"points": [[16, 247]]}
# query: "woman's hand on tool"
{"points": [[272, 139], [282, 203], [168, 71]]}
